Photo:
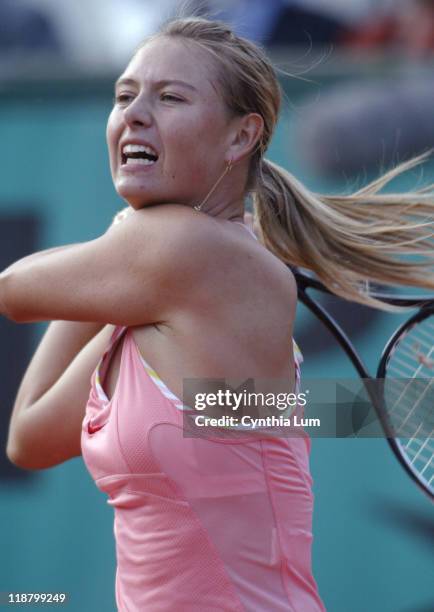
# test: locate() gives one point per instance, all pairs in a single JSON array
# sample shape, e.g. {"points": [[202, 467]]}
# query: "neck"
{"points": [[226, 210]]}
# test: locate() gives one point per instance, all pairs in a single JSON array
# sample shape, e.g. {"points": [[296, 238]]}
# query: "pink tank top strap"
{"points": [[102, 366], [118, 330]]}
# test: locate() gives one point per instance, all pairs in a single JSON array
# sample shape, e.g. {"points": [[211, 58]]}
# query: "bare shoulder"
{"points": [[182, 238], [292, 285], [198, 253], [167, 224], [167, 246]]}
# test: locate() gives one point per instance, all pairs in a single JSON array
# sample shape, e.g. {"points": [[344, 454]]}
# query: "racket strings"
{"points": [[409, 396], [424, 453]]}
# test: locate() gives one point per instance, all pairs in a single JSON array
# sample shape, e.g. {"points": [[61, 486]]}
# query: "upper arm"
{"points": [[128, 276], [48, 432]]}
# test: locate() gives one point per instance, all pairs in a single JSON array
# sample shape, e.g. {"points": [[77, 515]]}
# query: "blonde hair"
{"points": [[346, 240]]}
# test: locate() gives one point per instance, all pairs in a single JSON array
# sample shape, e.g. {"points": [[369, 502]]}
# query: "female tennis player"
{"points": [[180, 288]]}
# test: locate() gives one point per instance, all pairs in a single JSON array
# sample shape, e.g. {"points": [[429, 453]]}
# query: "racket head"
{"points": [[406, 374]]}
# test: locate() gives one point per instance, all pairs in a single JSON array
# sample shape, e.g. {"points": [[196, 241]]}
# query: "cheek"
{"points": [[192, 133], [112, 135], [194, 147]]}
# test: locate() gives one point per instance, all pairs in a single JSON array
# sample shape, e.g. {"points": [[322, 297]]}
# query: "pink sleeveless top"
{"points": [[201, 524]]}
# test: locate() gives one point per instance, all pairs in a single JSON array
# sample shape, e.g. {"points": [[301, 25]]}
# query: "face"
{"points": [[168, 132]]}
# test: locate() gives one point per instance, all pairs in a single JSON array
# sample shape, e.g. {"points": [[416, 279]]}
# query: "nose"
{"points": [[137, 113]]}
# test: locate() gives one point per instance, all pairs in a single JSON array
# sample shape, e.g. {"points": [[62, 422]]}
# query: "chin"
{"points": [[137, 204], [140, 201], [135, 197], [138, 196]]}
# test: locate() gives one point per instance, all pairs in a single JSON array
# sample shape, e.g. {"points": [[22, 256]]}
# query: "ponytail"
{"points": [[348, 241]]}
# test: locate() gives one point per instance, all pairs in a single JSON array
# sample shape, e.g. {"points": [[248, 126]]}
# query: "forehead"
{"points": [[166, 59]]}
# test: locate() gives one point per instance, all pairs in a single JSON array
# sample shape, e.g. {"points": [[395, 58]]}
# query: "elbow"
{"points": [[17, 458], [27, 455], [13, 304], [23, 454], [25, 461]]}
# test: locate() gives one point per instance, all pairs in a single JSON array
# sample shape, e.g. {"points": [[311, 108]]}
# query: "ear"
{"points": [[245, 135]]}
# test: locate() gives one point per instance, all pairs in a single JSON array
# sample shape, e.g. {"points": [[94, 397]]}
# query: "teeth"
{"points": [[135, 148], [143, 162]]}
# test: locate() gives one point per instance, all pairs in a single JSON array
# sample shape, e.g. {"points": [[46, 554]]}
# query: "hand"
{"points": [[121, 215]]}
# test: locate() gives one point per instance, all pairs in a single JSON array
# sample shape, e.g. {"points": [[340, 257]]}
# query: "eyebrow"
{"points": [[156, 84]]}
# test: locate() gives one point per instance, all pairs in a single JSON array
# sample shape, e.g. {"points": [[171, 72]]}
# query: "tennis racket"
{"points": [[402, 395]]}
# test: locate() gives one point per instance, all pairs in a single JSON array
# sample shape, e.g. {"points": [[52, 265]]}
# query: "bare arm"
{"points": [[45, 426], [22, 263], [62, 341], [134, 274], [117, 278], [58, 348]]}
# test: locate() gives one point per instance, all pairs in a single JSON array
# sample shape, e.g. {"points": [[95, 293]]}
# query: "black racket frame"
{"points": [[373, 386]]}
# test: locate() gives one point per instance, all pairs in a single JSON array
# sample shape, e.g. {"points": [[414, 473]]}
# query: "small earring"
{"points": [[228, 169]]}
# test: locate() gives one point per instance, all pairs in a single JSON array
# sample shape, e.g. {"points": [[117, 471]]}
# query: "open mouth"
{"points": [[138, 154]]}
